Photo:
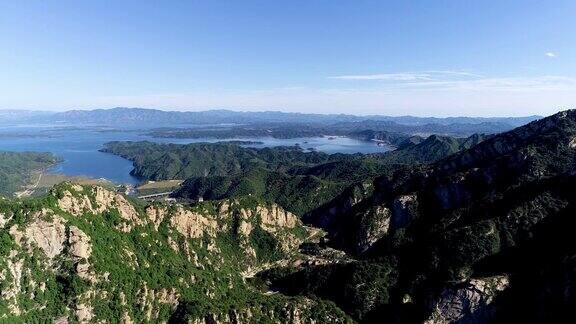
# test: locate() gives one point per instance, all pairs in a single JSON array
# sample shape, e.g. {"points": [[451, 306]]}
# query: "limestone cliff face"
{"points": [[373, 225], [404, 210], [11, 277], [80, 250], [89, 243], [273, 217], [468, 302], [48, 235], [78, 201], [192, 224], [4, 218]]}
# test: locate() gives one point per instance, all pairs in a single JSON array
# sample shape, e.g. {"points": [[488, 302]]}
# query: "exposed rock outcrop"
{"points": [[106, 199], [404, 210], [95, 247], [11, 276], [84, 313], [4, 218], [274, 216], [156, 214], [151, 300], [192, 224], [296, 312], [468, 302], [80, 251], [373, 225], [75, 205], [78, 202], [48, 235]]}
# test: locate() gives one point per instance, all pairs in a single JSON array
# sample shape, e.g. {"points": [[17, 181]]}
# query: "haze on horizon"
{"points": [[441, 58]]}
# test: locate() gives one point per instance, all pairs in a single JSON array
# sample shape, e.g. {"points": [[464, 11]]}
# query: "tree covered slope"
{"points": [[482, 235], [155, 161], [299, 181], [16, 169], [90, 255]]}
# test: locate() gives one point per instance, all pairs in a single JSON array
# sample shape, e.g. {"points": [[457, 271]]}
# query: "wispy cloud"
{"points": [[550, 54], [488, 96], [386, 77], [426, 93], [546, 82], [444, 80], [407, 76]]}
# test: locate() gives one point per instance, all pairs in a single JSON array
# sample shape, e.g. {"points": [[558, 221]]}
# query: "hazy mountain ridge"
{"points": [[236, 117], [155, 117]]}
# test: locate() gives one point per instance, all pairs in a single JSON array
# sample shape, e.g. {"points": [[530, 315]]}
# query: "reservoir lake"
{"points": [[79, 147]]}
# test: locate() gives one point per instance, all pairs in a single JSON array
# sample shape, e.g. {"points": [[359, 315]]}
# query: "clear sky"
{"points": [[434, 58]]}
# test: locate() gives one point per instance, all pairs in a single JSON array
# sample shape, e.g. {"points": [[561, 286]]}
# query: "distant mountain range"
{"points": [[154, 117]]}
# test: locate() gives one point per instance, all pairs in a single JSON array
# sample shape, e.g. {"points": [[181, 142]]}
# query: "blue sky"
{"points": [[476, 58]]}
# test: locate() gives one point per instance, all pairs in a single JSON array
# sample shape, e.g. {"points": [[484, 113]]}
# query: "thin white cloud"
{"points": [[550, 54], [439, 95], [386, 77], [407, 76], [546, 82], [455, 73], [480, 97]]}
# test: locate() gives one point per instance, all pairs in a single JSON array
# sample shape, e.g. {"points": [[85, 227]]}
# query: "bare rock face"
{"points": [[294, 313], [374, 225], [192, 224], [48, 235], [156, 215], [75, 205], [150, 300], [106, 199], [274, 216], [244, 228], [77, 202], [404, 209], [126, 319], [572, 143], [468, 302], [80, 251], [13, 287], [4, 218], [84, 313], [274, 219], [59, 242], [80, 247]]}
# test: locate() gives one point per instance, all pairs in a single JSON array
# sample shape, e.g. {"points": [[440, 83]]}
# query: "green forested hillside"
{"points": [[431, 149], [297, 180], [16, 168], [484, 235], [86, 254], [154, 161]]}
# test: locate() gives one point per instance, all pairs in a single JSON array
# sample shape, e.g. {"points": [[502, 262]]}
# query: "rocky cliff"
{"points": [[88, 254]]}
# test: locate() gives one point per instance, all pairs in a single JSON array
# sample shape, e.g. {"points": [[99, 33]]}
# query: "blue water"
{"points": [[79, 148], [324, 144]]}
